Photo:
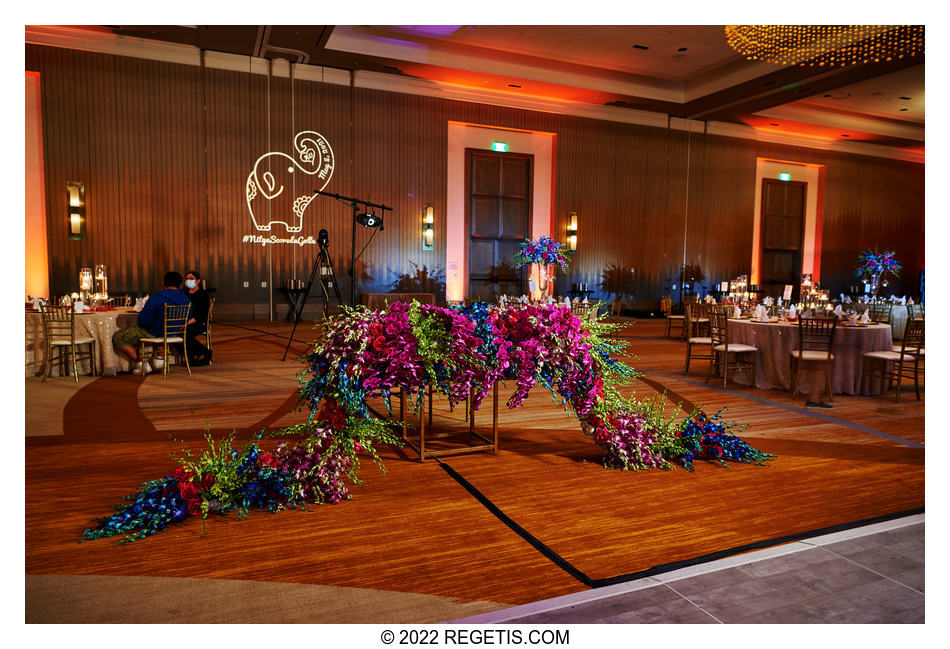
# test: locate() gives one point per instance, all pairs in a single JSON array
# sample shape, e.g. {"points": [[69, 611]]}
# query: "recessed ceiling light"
{"points": [[845, 135], [640, 47], [682, 49], [903, 109], [513, 85], [772, 124], [826, 95], [904, 98]]}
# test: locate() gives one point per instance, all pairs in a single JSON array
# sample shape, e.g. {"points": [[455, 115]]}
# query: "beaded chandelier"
{"points": [[825, 45]]}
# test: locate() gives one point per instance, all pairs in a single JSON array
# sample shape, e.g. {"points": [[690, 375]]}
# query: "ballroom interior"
{"points": [[314, 177]]}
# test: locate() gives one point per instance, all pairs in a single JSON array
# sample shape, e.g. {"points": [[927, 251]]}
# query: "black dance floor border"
{"points": [[579, 575]]}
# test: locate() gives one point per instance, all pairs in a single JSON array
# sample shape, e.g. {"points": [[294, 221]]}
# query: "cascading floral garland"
{"points": [[544, 250], [361, 355]]}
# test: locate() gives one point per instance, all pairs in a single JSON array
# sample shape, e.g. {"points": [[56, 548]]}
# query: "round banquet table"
{"points": [[776, 340], [98, 324]]}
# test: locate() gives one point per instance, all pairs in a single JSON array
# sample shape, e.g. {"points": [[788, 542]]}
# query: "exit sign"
{"points": [[785, 176], [499, 146]]}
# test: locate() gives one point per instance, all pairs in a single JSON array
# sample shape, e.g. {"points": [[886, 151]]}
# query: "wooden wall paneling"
{"points": [[135, 130], [862, 211]]}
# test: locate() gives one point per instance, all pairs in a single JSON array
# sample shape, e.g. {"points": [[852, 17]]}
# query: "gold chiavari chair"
{"points": [[815, 338], [666, 305], [698, 347], [880, 312], [722, 348], [905, 363], [208, 329], [176, 318], [59, 324]]}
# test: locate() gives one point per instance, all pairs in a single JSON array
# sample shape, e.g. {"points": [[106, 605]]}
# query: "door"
{"points": [[498, 211], [783, 231]]}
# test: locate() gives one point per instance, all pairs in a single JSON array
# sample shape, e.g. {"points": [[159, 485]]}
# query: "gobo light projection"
{"points": [[281, 187]]}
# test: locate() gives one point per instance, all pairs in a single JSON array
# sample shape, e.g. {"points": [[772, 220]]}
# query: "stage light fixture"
{"points": [[369, 220]]}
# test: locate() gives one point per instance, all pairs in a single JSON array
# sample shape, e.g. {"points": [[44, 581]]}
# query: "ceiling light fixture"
{"points": [[825, 45]]}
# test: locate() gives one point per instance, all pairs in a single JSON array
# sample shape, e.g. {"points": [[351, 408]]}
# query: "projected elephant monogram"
{"points": [[273, 173]]}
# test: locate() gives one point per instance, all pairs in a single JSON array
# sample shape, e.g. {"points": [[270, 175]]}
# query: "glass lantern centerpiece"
{"points": [[86, 285], [101, 285]]}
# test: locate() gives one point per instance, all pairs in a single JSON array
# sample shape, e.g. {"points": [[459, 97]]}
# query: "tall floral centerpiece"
{"points": [[876, 266], [542, 254]]}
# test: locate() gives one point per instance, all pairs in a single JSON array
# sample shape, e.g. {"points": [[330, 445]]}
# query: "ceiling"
{"points": [[685, 71]]}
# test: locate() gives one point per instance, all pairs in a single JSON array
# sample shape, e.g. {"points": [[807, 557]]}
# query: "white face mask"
{"points": [[190, 283]]}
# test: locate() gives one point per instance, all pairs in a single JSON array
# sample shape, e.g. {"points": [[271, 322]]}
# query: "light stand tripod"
{"points": [[356, 204], [327, 281]]}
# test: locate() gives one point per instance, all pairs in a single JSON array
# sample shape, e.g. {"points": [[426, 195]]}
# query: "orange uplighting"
{"points": [[829, 133], [35, 254], [499, 83]]}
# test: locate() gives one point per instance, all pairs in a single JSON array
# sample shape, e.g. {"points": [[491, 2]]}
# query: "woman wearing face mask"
{"points": [[198, 354]]}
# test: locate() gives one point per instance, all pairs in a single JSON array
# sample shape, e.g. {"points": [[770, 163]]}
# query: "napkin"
{"points": [[910, 300], [853, 319], [864, 317], [567, 301], [736, 311], [762, 313], [38, 303], [585, 300], [549, 300], [838, 312], [847, 300], [791, 312], [78, 306]]}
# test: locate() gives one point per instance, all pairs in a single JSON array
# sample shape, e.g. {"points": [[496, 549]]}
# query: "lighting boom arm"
{"points": [[356, 204]]}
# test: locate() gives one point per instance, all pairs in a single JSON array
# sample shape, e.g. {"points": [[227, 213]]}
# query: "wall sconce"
{"points": [[76, 210], [428, 228], [572, 230]]}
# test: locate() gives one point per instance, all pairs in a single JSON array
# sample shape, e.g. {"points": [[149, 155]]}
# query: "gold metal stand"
{"points": [[420, 445]]}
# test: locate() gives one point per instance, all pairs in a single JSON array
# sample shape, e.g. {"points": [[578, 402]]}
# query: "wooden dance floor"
{"points": [[414, 544]]}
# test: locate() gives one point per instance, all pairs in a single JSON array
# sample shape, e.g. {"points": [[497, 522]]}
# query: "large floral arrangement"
{"points": [[361, 355], [874, 263], [542, 251]]}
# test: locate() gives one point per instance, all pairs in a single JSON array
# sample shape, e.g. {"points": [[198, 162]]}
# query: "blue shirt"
{"points": [[152, 315]]}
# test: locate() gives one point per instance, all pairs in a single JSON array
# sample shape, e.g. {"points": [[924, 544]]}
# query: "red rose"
{"points": [[187, 490], [183, 475], [338, 420], [379, 343], [194, 507], [268, 460], [208, 481]]}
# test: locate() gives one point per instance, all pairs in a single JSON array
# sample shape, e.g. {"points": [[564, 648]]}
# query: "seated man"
{"points": [[198, 354], [151, 320]]}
